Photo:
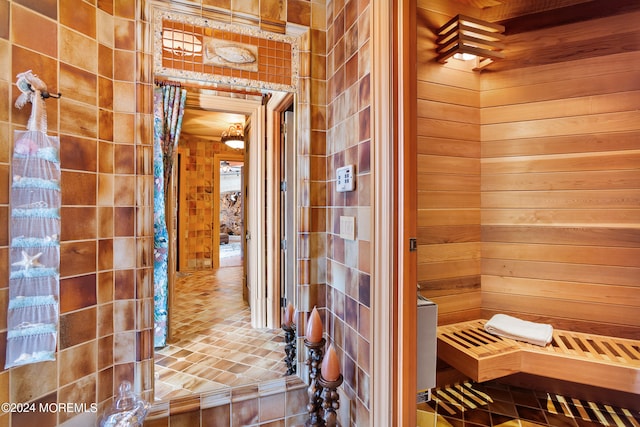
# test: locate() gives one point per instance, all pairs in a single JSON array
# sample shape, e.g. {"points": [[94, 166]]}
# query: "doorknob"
{"points": [[248, 236]]}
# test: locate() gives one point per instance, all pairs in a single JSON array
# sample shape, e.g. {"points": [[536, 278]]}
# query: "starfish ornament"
{"points": [[29, 261]]}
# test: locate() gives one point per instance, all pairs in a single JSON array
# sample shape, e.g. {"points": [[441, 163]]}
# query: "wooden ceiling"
{"points": [[204, 118], [527, 15], [527, 45]]}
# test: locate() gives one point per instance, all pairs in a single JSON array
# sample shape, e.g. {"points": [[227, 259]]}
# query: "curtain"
{"points": [[168, 112]]}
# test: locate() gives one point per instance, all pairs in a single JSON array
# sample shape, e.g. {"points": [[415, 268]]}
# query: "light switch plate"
{"points": [[345, 179], [348, 227]]}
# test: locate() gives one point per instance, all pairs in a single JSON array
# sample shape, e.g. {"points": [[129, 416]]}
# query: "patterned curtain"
{"points": [[168, 112]]}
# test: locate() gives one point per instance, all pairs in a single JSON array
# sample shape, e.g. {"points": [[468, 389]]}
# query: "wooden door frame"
{"points": [[255, 255], [394, 292], [276, 106]]}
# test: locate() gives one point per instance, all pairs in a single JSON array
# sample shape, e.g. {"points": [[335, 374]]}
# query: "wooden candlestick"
{"points": [[330, 400], [315, 355], [290, 349]]}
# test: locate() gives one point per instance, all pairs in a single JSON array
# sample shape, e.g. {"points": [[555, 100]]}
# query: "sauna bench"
{"points": [[597, 360]]}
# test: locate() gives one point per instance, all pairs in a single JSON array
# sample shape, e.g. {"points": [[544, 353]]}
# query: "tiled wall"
{"points": [[104, 126], [88, 53], [272, 60], [348, 142], [281, 403], [197, 155]]}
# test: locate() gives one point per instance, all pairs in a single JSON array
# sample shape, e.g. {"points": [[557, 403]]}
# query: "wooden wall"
{"points": [[448, 175], [560, 181], [529, 177]]}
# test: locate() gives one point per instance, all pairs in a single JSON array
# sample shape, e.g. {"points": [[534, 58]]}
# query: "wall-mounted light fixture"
{"points": [[234, 136], [469, 38]]}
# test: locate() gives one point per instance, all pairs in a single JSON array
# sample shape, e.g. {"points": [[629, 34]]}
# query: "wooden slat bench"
{"points": [[598, 360]]}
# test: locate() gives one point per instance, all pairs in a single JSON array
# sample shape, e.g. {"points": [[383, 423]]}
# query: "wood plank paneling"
{"points": [[558, 223], [589, 85], [606, 218], [458, 303], [561, 199], [609, 122], [451, 112], [450, 165], [449, 234], [560, 181], [626, 237], [598, 104], [448, 252], [605, 36], [566, 144], [448, 269], [442, 92], [462, 285], [563, 290], [448, 177], [596, 180], [446, 128], [443, 182], [575, 162], [440, 217], [560, 271], [551, 74], [556, 308], [448, 146], [448, 199], [596, 254]]}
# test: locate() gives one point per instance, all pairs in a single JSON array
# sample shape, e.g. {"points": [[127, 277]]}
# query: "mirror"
{"points": [[216, 339]]}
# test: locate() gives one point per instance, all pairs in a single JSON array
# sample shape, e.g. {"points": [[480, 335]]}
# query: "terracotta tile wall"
{"points": [[273, 57], [198, 157], [95, 56], [87, 52], [348, 142], [248, 409]]}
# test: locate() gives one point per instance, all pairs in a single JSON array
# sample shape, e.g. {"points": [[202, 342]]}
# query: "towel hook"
{"points": [[45, 94]]}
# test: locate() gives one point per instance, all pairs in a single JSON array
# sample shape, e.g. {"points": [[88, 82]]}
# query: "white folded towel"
{"points": [[520, 330]]}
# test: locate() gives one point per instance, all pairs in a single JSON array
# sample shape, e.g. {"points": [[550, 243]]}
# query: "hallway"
{"points": [[213, 344]]}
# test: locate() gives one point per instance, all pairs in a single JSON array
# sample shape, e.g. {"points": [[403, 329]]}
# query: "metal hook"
{"points": [[44, 94]]}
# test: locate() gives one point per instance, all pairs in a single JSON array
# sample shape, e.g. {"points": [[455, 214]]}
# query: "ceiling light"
{"points": [[464, 56], [234, 136], [467, 38]]}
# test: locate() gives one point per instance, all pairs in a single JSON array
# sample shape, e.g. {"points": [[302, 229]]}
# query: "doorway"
{"points": [[254, 198], [230, 198]]}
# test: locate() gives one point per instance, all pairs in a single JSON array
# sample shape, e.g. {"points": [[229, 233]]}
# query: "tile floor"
{"points": [[213, 343], [492, 404]]}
